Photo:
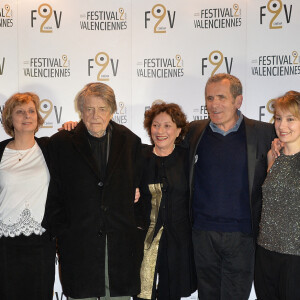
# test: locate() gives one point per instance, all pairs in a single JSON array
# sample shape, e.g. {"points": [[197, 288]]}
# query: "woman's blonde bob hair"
{"points": [[290, 101], [16, 100]]}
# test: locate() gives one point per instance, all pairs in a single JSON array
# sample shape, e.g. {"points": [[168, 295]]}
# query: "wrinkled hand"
{"points": [[137, 195], [276, 147], [68, 126]]}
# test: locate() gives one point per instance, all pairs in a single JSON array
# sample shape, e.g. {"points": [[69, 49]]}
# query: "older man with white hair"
{"points": [[90, 206]]}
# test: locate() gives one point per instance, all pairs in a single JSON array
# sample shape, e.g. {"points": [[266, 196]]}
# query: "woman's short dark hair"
{"points": [[173, 110]]}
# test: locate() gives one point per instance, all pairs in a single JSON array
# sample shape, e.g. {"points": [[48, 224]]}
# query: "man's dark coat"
{"points": [[83, 211]]}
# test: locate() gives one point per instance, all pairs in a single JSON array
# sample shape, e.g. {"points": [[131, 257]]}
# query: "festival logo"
{"points": [[120, 116], [218, 18], [46, 109], [59, 296], [46, 17], [200, 113], [216, 62], [105, 66], [276, 65], [6, 16], [262, 111], [2, 66], [100, 20], [161, 67], [47, 67], [276, 13], [160, 19]]}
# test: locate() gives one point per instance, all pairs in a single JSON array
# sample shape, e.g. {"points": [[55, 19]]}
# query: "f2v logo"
{"points": [[2, 66], [46, 107], [8, 13], [102, 60], [62, 297], [275, 8], [270, 109], [216, 59], [159, 12], [45, 11]]}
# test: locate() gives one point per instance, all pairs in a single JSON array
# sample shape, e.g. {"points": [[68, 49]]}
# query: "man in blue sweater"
{"points": [[228, 164]]}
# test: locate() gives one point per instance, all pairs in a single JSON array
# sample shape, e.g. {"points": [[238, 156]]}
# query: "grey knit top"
{"points": [[280, 220]]}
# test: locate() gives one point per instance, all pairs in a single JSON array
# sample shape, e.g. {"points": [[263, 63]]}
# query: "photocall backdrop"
{"points": [[147, 50]]}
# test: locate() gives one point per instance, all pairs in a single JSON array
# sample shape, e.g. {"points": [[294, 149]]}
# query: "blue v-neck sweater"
{"points": [[221, 189]]}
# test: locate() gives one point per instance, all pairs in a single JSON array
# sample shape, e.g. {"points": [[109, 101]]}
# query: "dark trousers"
{"points": [[277, 276], [107, 291], [27, 267], [224, 264]]}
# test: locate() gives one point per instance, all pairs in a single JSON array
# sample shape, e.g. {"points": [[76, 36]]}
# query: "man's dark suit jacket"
{"points": [[83, 211], [259, 136]]}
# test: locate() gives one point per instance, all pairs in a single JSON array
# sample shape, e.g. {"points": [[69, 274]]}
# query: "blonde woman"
{"points": [[27, 254], [277, 269]]}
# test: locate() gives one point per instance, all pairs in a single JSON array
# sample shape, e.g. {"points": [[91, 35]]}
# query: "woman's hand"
{"points": [[68, 126], [137, 195], [276, 147]]}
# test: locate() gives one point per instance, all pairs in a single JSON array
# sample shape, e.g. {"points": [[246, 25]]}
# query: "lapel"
{"points": [[116, 150], [251, 138], [193, 143], [3, 145], [42, 142], [196, 138], [81, 143]]}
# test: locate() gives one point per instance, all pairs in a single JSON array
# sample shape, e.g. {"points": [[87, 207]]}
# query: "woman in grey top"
{"points": [[277, 267]]}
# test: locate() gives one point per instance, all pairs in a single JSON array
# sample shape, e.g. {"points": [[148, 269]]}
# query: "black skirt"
{"points": [[27, 267]]}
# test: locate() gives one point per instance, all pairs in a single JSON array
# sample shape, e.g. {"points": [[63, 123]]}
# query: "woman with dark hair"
{"points": [[27, 254], [168, 254], [277, 266]]}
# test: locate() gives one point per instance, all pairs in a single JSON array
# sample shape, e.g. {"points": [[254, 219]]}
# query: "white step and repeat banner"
{"points": [[147, 50]]}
